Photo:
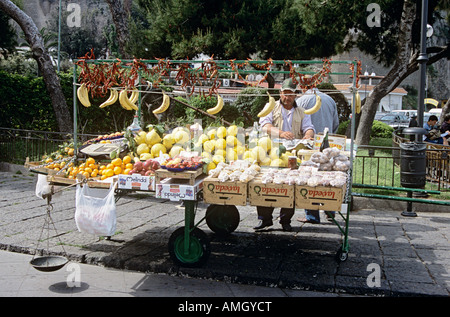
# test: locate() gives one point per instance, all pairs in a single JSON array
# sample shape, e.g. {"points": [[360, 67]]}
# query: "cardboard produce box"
{"points": [[224, 193], [270, 194], [335, 140], [319, 198], [136, 182], [178, 189]]}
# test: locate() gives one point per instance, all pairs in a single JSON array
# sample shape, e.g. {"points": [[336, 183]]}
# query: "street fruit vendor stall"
{"points": [[224, 165]]}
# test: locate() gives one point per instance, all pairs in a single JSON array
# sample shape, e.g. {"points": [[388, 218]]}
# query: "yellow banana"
{"points": [[268, 107], [316, 107], [357, 103], [112, 99], [134, 96], [82, 94], [123, 99], [218, 107], [164, 105]]}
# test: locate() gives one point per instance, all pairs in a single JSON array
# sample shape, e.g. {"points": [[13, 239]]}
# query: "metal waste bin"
{"points": [[413, 160], [413, 164]]}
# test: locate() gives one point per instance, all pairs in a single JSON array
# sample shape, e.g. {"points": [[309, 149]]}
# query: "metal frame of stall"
{"points": [[189, 244]]}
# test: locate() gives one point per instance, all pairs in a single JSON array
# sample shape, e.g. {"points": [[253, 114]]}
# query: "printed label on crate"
{"points": [[224, 188], [177, 192], [136, 181], [334, 140], [270, 191], [313, 193]]}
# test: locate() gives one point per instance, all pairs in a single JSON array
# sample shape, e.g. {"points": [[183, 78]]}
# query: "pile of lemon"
{"points": [[224, 145]]}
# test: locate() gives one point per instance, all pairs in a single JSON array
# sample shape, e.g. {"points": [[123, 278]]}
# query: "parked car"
{"points": [[408, 113], [395, 120], [379, 115]]}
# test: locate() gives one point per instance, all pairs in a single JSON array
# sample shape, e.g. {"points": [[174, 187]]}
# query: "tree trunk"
{"points": [[389, 82], [44, 62], [120, 18]]}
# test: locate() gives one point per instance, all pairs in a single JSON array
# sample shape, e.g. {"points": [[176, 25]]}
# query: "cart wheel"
{"points": [[222, 219], [199, 248], [341, 255]]}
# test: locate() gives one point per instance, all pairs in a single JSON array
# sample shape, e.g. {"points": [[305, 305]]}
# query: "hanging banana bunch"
{"points": [[164, 105], [112, 98], [125, 102], [218, 106], [82, 94], [268, 107], [357, 103], [316, 106]]}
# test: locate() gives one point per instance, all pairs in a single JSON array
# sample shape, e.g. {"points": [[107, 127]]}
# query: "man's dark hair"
{"points": [[433, 118], [447, 117]]}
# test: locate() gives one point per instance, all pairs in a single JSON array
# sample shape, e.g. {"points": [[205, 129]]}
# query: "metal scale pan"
{"points": [[49, 263]]}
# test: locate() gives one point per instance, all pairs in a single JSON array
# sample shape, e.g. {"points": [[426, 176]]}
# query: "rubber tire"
{"points": [[341, 256], [199, 247], [222, 219]]}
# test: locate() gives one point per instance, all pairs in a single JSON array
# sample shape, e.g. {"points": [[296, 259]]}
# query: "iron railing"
{"points": [[18, 144]]}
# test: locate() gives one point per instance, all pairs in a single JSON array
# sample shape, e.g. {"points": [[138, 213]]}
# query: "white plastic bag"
{"points": [[95, 213], [42, 186]]}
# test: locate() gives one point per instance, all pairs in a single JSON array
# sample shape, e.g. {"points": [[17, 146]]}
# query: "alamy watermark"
{"points": [[374, 18], [74, 277], [74, 18], [374, 278]]}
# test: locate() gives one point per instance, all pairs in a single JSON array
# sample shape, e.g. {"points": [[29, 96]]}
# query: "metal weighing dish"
{"points": [[49, 263]]}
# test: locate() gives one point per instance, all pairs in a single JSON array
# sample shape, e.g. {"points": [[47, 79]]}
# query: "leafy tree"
{"points": [[40, 54], [7, 35]]}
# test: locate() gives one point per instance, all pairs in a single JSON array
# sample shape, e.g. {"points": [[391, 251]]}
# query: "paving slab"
{"points": [[390, 255]]}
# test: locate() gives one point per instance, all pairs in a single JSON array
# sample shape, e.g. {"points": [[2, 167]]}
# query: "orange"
{"points": [[108, 172], [89, 161], [110, 166], [117, 162], [117, 170], [129, 166], [126, 159]]}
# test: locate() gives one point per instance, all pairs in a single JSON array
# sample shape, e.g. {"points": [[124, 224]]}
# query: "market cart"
{"points": [[189, 245]]}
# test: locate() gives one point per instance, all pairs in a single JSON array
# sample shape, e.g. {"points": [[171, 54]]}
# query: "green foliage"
{"points": [[381, 130], [251, 100], [25, 103]]}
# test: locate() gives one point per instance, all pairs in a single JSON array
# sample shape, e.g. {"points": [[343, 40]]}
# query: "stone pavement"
{"points": [[389, 255]]}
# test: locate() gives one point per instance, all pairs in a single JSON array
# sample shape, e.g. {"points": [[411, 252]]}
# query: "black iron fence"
{"points": [[373, 165], [18, 144]]}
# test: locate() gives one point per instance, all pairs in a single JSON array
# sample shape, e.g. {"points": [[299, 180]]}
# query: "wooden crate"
{"points": [[33, 166], [191, 176], [271, 194], [319, 198], [224, 193]]}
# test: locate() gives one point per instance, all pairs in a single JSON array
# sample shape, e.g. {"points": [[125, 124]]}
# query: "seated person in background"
{"points": [[445, 128], [433, 135]]}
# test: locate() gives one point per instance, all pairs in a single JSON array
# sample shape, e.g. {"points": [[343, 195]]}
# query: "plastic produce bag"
{"points": [[42, 186], [95, 213]]}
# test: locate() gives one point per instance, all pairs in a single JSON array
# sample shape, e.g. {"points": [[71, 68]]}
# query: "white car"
{"points": [[395, 120]]}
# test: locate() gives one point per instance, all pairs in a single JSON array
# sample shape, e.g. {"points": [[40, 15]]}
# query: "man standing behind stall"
{"points": [[325, 117], [289, 122]]}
